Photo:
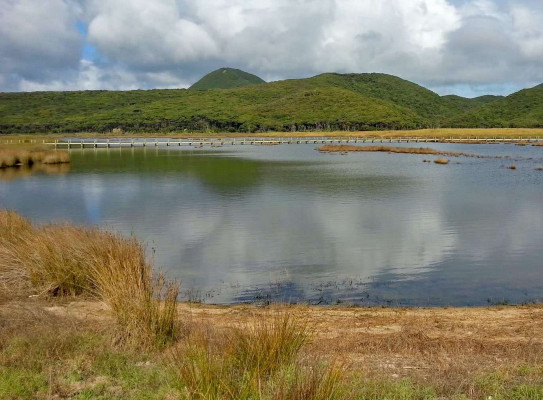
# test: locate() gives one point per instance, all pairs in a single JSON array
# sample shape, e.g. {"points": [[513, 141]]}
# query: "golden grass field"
{"points": [[504, 133]]}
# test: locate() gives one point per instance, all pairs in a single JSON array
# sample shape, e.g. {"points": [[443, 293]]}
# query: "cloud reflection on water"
{"points": [[240, 226]]}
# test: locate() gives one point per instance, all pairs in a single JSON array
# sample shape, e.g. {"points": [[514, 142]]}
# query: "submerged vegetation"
{"points": [[327, 102]]}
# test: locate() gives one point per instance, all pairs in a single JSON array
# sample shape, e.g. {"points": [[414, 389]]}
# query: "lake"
{"points": [[287, 223]]}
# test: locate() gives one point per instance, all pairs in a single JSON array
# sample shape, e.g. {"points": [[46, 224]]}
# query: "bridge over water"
{"points": [[217, 142]]}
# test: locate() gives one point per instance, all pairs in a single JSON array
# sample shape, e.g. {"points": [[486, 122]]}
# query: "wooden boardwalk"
{"points": [[219, 142]]}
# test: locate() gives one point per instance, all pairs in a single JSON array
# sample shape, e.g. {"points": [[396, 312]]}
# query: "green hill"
{"points": [[454, 106], [226, 78], [523, 109], [324, 102], [386, 87], [281, 106]]}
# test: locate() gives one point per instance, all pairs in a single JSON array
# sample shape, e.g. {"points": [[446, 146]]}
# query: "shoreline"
{"points": [[378, 353], [450, 134], [366, 338], [83, 315]]}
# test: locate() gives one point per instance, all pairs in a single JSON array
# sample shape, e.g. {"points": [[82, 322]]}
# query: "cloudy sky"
{"points": [[467, 47]]}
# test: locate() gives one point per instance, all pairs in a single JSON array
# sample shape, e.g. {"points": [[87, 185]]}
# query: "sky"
{"points": [[464, 47]]}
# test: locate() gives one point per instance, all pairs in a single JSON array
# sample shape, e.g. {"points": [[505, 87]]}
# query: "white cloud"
{"points": [[94, 77], [38, 39], [169, 43], [152, 33], [387, 36], [528, 30]]}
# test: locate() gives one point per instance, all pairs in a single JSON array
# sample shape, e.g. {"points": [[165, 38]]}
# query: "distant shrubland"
{"points": [[327, 102]]}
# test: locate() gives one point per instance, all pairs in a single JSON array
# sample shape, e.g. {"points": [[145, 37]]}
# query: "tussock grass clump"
{"points": [[442, 161], [266, 346], [22, 157], [317, 381], [57, 157], [255, 361], [8, 159], [64, 260]]}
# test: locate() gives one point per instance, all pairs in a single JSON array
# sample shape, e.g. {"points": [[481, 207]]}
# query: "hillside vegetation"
{"points": [[519, 110], [344, 102], [226, 78]]}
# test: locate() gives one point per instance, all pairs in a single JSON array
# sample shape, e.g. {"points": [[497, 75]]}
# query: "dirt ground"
{"points": [[395, 341], [450, 349]]}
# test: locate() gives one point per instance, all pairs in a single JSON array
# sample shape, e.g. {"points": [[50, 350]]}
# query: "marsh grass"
{"points": [[17, 157], [65, 260], [385, 149], [397, 150]]}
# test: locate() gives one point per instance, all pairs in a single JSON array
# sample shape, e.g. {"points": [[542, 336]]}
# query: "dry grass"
{"points": [[56, 157], [64, 350], [442, 161], [15, 157], [257, 361], [63, 260], [446, 133], [421, 353]]}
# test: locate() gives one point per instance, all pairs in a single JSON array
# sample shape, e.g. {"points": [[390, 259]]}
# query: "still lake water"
{"points": [[287, 223]]}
